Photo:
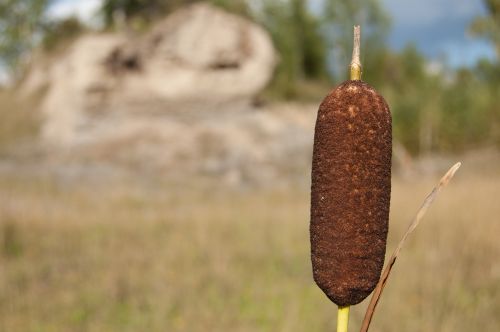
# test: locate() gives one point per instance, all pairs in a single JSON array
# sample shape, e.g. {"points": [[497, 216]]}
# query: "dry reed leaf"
{"points": [[377, 293]]}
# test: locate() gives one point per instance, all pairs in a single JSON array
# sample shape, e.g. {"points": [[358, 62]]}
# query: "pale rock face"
{"points": [[71, 85], [176, 99], [207, 54], [198, 58]]}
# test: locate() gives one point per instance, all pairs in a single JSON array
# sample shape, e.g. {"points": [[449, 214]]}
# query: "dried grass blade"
{"points": [[413, 224]]}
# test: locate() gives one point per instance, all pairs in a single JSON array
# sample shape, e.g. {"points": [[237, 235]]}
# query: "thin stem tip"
{"points": [[355, 67]]}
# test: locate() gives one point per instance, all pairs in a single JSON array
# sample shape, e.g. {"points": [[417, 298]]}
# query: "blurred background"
{"points": [[155, 161]]}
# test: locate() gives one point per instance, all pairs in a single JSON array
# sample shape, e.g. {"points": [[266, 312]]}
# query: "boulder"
{"points": [[198, 59], [174, 101]]}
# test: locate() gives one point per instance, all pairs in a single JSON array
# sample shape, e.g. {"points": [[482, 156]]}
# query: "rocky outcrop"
{"points": [[175, 99], [199, 56]]}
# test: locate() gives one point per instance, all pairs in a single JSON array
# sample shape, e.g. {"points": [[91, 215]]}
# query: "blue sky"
{"points": [[439, 28]]}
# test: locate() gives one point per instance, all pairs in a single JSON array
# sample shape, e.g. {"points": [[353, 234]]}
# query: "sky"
{"points": [[83, 9], [439, 28]]}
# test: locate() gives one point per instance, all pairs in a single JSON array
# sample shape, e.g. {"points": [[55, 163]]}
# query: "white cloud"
{"points": [[85, 10]]}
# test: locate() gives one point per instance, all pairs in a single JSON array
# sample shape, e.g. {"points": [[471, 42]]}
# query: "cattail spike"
{"points": [[351, 188]]}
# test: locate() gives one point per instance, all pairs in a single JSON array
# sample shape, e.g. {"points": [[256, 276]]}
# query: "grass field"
{"points": [[153, 258]]}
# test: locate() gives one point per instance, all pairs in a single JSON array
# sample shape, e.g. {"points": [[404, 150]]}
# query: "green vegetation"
{"points": [[434, 110], [301, 49], [488, 25], [60, 33], [447, 110], [20, 22]]}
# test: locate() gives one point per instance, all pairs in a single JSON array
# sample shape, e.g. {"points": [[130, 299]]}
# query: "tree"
{"points": [[488, 73], [296, 35], [146, 11], [57, 32], [135, 9], [239, 7], [488, 26], [21, 22]]}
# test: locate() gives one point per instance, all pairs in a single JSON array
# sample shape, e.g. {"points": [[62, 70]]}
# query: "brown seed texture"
{"points": [[350, 192]]}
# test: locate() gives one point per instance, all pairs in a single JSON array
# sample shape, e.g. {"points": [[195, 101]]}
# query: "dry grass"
{"points": [[18, 122], [137, 258]]}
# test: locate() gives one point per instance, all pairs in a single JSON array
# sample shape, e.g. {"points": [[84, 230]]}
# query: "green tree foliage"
{"points": [[447, 109], [239, 7], [311, 47], [405, 78], [56, 33], [464, 112], [316, 47], [142, 12], [433, 110], [138, 10], [488, 26], [439, 109], [302, 50], [20, 24], [488, 72]]}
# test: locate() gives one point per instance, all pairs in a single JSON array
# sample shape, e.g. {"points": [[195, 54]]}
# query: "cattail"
{"points": [[351, 186]]}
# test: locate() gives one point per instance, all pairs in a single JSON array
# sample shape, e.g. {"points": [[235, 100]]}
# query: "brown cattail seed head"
{"points": [[350, 193]]}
